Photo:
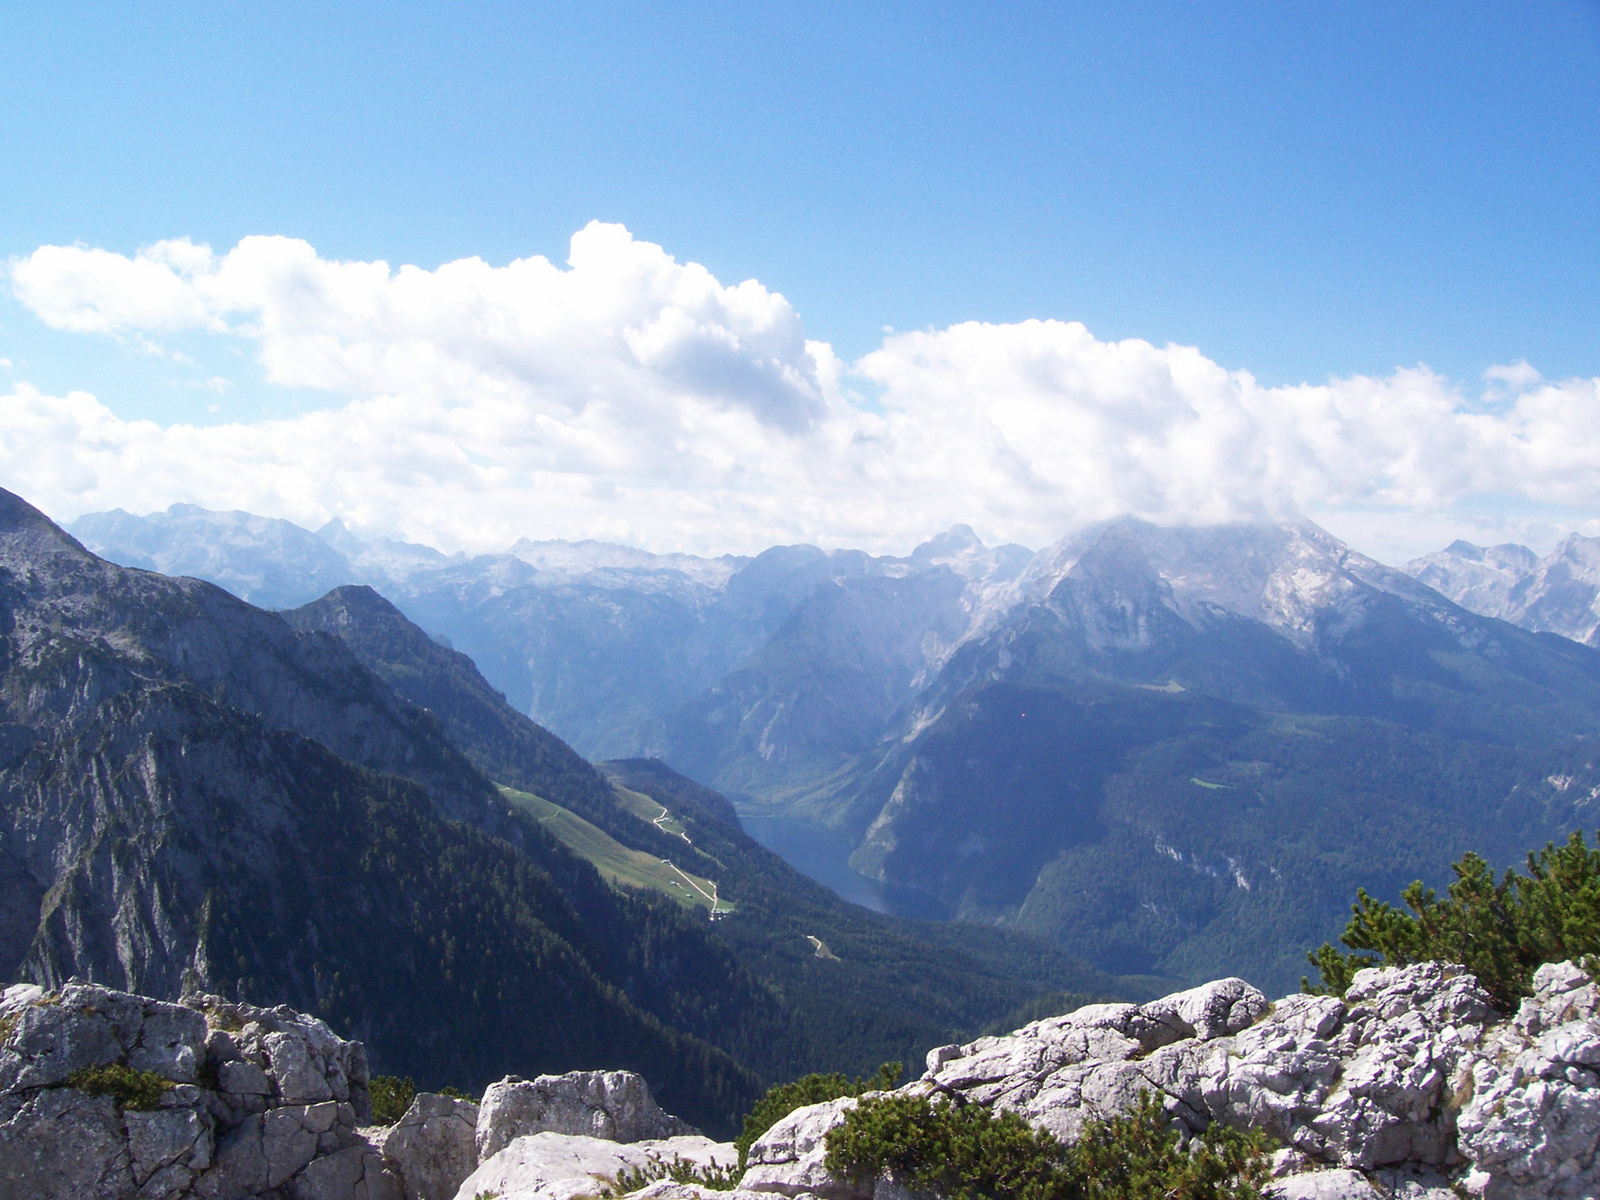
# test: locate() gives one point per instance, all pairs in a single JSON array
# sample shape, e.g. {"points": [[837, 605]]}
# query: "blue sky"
{"points": [[1306, 192]]}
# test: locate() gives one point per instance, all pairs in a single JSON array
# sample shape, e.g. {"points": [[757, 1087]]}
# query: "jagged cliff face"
{"points": [[71, 617], [160, 734]]}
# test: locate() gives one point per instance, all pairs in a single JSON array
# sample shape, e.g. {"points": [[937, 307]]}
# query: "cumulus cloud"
{"points": [[632, 397]]}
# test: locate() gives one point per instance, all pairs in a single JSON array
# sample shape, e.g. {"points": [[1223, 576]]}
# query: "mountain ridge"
{"points": [[1559, 593], [1199, 732]]}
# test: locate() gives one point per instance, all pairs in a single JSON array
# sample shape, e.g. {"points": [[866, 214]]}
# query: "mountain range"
{"points": [[329, 808], [1169, 751], [1559, 593]]}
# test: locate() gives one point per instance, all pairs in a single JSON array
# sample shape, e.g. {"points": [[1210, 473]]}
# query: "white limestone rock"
{"points": [[89, 1026], [1358, 1083], [256, 1100], [788, 1158], [612, 1105], [1339, 1184], [357, 1172], [667, 1189], [1532, 1124], [304, 1061], [61, 1144], [1211, 1010], [431, 1149], [560, 1166]]}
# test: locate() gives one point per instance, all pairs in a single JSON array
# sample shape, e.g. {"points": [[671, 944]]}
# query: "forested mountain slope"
{"points": [[503, 744], [197, 795], [1169, 750], [173, 814], [1187, 746], [889, 990]]}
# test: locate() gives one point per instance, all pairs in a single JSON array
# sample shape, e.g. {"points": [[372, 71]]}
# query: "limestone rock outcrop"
{"points": [[246, 1101], [787, 1159], [614, 1106], [1531, 1124], [561, 1166], [1408, 1086], [105, 1095], [432, 1148]]}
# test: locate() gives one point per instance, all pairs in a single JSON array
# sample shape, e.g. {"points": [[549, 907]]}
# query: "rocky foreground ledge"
{"points": [[1412, 1086]]}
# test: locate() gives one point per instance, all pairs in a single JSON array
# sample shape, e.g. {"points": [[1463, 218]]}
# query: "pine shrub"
{"points": [[391, 1096], [967, 1152], [783, 1099], [140, 1091], [711, 1177], [1500, 931]]}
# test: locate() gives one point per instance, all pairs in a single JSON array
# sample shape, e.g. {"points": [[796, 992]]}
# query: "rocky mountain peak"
{"points": [[27, 534], [955, 543], [1288, 576], [1559, 593], [337, 535]]}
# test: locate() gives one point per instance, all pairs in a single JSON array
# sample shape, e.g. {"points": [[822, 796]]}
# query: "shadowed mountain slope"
{"points": [[502, 743], [892, 987], [194, 795]]}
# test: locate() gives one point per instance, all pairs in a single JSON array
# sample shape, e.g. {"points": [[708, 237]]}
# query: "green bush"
{"points": [[783, 1099], [967, 1152], [1502, 932], [138, 1090], [391, 1096], [1137, 1157], [961, 1151], [713, 1177]]}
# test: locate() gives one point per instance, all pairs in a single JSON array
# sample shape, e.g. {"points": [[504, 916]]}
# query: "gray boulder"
{"points": [[1357, 1083], [1532, 1124], [357, 1172], [252, 1101], [1339, 1184], [611, 1105], [277, 1056], [61, 1144], [787, 1159], [432, 1148], [50, 1037], [57, 1141]]}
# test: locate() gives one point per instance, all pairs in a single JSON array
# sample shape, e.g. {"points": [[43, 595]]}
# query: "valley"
{"points": [[1169, 752], [297, 807], [1139, 757]]}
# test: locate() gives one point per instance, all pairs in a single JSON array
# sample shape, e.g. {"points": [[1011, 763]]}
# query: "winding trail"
{"points": [[687, 878], [665, 815]]}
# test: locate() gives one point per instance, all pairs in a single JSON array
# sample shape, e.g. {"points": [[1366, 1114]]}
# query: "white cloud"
{"points": [[636, 398], [1516, 377]]}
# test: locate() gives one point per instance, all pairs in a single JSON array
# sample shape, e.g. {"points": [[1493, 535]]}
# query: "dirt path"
{"points": [[711, 895], [665, 816]]}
